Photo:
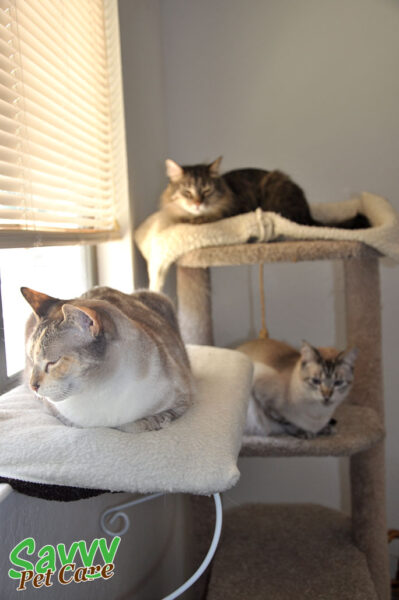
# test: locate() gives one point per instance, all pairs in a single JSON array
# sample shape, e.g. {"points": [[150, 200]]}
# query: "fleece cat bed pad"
{"points": [[196, 454], [162, 244]]}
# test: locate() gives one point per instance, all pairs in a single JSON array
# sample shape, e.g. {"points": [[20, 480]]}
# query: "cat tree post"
{"points": [[367, 472], [194, 305], [195, 320]]}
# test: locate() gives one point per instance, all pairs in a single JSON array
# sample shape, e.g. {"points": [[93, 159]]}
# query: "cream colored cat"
{"points": [[295, 391], [108, 359]]}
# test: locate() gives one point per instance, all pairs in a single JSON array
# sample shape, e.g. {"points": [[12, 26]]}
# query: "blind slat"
{"points": [[7, 109], [43, 146], [55, 158], [11, 159], [56, 219], [80, 29], [75, 84], [61, 103], [18, 200], [75, 68], [46, 186]]}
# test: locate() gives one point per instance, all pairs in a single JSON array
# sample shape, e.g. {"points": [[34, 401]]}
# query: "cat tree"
{"points": [[305, 551]]}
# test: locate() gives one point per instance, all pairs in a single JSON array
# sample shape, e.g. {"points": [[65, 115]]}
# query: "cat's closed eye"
{"points": [[316, 380], [49, 364], [188, 194]]}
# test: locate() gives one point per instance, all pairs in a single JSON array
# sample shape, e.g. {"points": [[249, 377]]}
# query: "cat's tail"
{"points": [[359, 221], [263, 333]]}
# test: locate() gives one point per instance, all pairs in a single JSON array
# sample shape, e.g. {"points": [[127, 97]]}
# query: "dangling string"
{"points": [[263, 334]]}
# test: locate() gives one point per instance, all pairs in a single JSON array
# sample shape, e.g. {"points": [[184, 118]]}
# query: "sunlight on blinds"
{"points": [[60, 119]]}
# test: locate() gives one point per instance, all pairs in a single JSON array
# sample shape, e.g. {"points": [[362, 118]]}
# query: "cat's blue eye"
{"points": [[316, 380]]}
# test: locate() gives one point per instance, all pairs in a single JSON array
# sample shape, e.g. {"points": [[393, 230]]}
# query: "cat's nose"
{"points": [[35, 386]]}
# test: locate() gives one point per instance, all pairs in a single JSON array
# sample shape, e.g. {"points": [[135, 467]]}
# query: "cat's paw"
{"points": [[298, 432], [135, 427], [151, 423]]}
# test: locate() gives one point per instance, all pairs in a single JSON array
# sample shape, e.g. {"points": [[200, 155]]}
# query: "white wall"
{"points": [[140, 30], [310, 87]]}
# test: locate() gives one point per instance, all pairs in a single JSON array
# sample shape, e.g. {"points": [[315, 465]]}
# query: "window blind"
{"points": [[62, 148]]}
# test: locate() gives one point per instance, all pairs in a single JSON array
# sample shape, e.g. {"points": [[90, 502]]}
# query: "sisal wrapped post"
{"points": [[194, 305], [367, 474]]}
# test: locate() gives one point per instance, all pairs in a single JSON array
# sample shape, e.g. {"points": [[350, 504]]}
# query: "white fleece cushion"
{"points": [[196, 453], [162, 244]]}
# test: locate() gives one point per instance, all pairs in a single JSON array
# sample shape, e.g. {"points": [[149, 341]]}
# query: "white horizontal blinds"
{"points": [[57, 146]]}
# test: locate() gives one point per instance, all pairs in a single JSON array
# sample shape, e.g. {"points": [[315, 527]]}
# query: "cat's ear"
{"points": [[173, 170], [84, 318], [214, 167], [39, 302], [309, 353], [349, 357]]}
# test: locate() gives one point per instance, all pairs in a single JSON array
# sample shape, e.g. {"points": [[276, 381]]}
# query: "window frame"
{"points": [[6, 382]]}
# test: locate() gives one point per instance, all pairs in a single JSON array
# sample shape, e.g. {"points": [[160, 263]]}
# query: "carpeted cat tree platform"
{"points": [[283, 552], [287, 552]]}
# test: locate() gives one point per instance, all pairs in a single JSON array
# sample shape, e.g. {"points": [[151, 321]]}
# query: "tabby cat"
{"points": [[108, 359], [293, 391], [199, 194]]}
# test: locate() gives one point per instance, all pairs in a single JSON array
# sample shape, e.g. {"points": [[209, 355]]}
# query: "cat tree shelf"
{"points": [[358, 428], [292, 251], [284, 552]]}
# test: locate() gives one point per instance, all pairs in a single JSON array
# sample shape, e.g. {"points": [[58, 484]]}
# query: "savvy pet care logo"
{"points": [[62, 563]]}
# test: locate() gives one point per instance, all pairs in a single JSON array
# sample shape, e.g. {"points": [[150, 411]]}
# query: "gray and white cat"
{"points": [[108, 359], [293, 391]]}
